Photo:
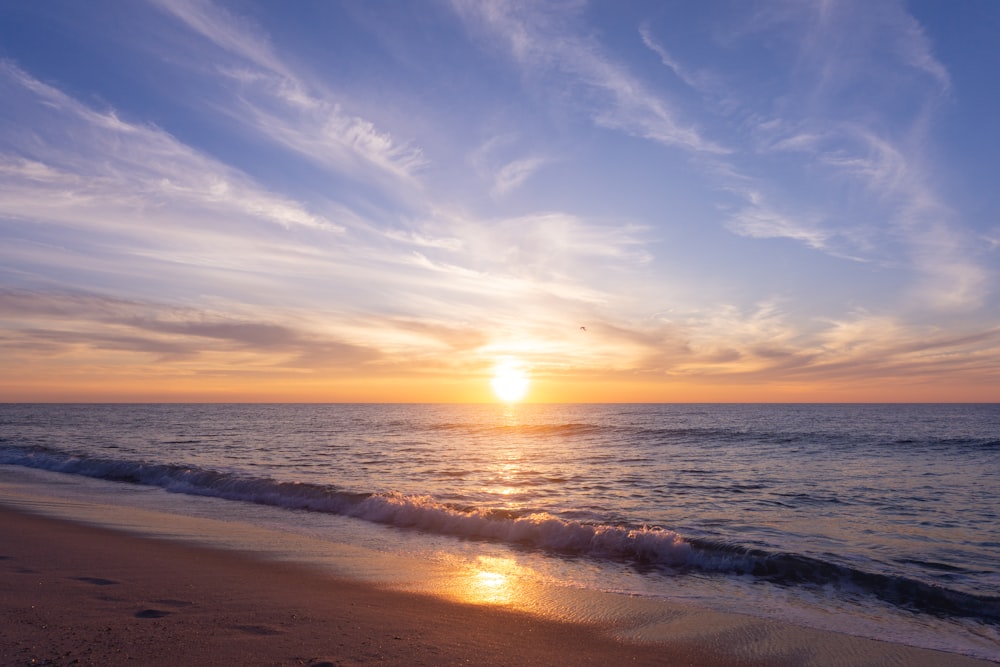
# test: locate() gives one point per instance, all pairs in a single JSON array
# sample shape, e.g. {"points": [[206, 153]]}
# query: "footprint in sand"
{"points": [[257, 630], [97, 581]]}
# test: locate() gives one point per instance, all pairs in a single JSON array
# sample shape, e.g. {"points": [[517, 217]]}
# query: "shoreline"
{"points": [[76, 592]]}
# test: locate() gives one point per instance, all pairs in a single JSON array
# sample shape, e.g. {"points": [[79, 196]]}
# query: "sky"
{"points": [[663, 201]]}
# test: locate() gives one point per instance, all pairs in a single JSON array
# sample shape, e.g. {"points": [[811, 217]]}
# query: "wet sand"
{"points": [[78, 594]]}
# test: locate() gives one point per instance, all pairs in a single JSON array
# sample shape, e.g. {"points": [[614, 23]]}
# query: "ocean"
{"points": [[874, 520]]}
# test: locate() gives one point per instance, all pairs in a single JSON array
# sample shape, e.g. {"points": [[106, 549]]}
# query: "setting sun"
{"points": [[510, 382]]}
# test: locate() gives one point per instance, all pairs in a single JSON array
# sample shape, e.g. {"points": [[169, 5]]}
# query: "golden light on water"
{"points": [[491, 587], [510, 381], [498, 581], [492, 580]]}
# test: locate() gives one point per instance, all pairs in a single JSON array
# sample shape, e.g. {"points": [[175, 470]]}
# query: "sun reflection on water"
{"points": [[510, 417], [505, 486], [492, 580], [490, 588], [504, 472]]}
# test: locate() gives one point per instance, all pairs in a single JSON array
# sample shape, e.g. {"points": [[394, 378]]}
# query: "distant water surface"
{"points": [[885, 514]]}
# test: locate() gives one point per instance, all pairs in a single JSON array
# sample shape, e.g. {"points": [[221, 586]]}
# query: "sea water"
{"points": [[875, 520]]}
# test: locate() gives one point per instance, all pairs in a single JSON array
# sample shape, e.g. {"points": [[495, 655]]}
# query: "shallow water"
{"points": [[879, 520]]}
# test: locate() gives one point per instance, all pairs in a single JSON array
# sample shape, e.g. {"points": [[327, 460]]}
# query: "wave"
{"points": [[568, 429], [643, 546], [723, 435]]}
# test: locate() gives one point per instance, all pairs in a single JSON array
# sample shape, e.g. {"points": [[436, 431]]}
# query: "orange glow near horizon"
{"points": [[51, 383]]}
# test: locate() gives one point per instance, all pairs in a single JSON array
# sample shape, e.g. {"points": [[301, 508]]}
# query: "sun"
{"points": [[510, 382]]}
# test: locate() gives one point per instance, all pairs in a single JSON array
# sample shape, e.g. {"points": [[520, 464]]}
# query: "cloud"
{"points": [[277, 103], [852, 129], [758, 220], [229, 31], [493, 161], [700, 81], [915, 49], [766, 345], [916, 227], [322, 132], [513, 174], [131, 209], [538, 38], [879, 346], [114, 205], [543, 246], [937, 244], [61, 323], [142, 168]]}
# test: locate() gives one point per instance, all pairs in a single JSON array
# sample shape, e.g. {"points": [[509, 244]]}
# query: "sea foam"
{"points": [[644, 545]]}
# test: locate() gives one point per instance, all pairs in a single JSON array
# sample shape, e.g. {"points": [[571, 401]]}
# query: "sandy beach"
{"points": [[78, 594]]}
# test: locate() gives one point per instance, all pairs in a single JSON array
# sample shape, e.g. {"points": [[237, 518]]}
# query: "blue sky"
{"points": [[385, 200]]}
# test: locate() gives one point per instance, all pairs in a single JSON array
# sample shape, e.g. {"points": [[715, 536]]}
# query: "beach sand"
{"points": [[78, 594]]}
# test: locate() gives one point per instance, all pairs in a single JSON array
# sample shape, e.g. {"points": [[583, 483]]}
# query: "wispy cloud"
{"points": [[938, 246], [913, 47], [230, 31], [758, 220], [498, 162], [541, 246], [831, 128], [538, 38], [767, 346], [119, 334], [701, 81], [513, 174], [131, 209], [281, 105], [54, 176]]}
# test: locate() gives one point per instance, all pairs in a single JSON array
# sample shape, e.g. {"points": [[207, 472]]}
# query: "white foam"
{"points": [[646, 544]]}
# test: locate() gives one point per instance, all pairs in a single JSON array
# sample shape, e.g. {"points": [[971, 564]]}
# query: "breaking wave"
{"points": [[647, 546]]}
